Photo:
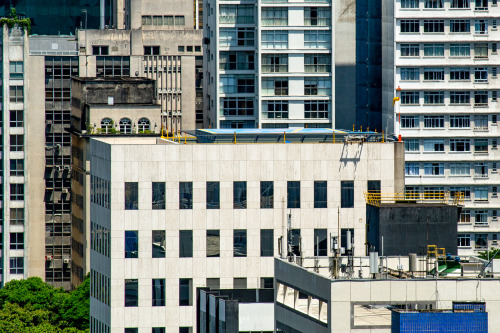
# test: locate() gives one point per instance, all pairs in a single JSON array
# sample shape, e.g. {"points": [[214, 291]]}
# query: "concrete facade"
{"points": [[446, 67], [117, 161]]}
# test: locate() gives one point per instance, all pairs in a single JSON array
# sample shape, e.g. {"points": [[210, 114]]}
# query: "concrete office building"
{"points": [[281, 64], [176, 216], [310, 300], [446, 67]]}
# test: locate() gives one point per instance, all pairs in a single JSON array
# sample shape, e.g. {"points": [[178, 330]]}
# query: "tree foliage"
{"points": [[33, 306], [14, 20], [488, 255]]}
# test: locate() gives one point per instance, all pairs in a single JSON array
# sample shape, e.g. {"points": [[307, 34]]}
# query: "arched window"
{"points": [[106, 125], [144, 125], [125, 126]]}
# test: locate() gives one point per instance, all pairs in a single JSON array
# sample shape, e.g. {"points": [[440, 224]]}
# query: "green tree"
{"points": [[488, 255], [77, 306]]}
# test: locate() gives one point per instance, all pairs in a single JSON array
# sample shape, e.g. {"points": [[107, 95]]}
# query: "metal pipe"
{"points": [[102, 11]]}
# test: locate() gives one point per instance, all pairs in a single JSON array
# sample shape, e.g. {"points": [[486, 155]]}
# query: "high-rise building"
{"points": [[446, 62], [280, 64]]}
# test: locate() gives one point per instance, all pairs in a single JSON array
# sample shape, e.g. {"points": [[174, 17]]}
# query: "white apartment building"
{"points": [[269, 64], [446, 63], [168, 217]]}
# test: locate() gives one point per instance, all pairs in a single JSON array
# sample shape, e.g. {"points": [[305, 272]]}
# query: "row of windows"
{"points": [[454, 25], [272, 63], [480, 192], [440, 4], [100, 191], [479, 74], [169, 20], [479, 217], [100, 239], [240, 194], [239, 246], [481, 122], [313, 39], [157, 330], [272, 16], [462, 169], [125, 126], [453, 50], [100, 287], [480, 240], [455, 145], [479, 98]]}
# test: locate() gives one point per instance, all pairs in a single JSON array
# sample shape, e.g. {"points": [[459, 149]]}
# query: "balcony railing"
{"points": [[376, 198]]}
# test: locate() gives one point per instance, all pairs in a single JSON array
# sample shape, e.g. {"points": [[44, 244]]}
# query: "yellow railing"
{"points": [[376, 198]]}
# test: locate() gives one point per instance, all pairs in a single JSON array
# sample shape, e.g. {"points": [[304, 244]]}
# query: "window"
{"points": [[412, 169], [293, 194], [16, 167], [237, 60], [16, 191], [481, 241], [460, 169], [131, 196], [296, 242], [481, 145], [158, 244], [409, 26], [410, 98], [112, 66], [131, 292], [317, 16], [16, 265], [158, 330], [143, 125], [433, 25], [274, 86], [17, 142], [16, 118], [17, 216], [240, 283], [185, 195], [459, 121], [412, 145], [179, 20], [459, 50], [274, 63], [407, 4], [409, 122], [16, 94], [317, 86], [317, 39], [433, 97], [317, 63], [459, 98], [158, 195], [433, 145], [237, 37], [231, 14], [239, 243], [410, 74], [460, 4], [131, 244], [213, 243], [274, 16], [266, 242], [16, 240], [267, 283], [347, 194], [459, 145], [459, 26], [459, 74], [481, 122], [480, 74], [464, 191], [481, 27], [481, 170], [185, 243], [480, 98], [481, 194], [266, 194], [433, 3], [151, 50], [100, 50], [275, 109], [320, 194], [158, 295], [106, 125], [434, 169], [463, 240], [213, 283], [481, 4], [433, 50], [434, 121], [494, 167], [481, 50], [274, 39], [237, 106], [464, 216], [132, 329], [410, 50], [16, 69], [434, 74], [240, 195], [213, 195], [125, 126], [320, 242], [316, 109]]}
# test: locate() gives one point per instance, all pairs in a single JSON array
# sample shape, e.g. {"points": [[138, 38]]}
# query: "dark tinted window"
{"points": [[158, 195], [293, 190], [266, 242], [266, 194], [347, 194], [185, 195], [267, 282], [240, 283], [213, 195], [240, 195], [158, 244], [158, 296], [240, 243], [320, 242], [131, 292], [131, 244], [185, 291], [213, 243], [295, 241], [320, 194], [131, 196], [186, 243]]}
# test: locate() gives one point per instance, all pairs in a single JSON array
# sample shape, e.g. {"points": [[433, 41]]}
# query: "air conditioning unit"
{"points": [[65, 191], [49, 258], [67, 261]]}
